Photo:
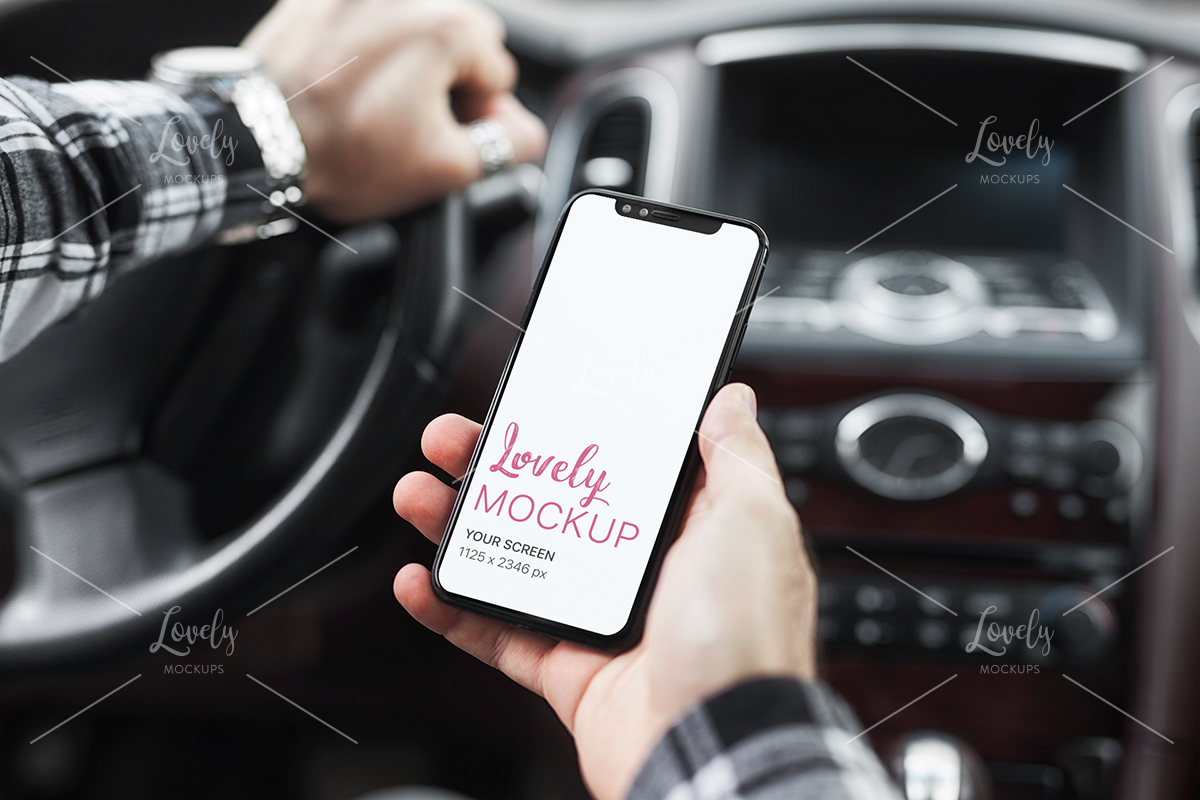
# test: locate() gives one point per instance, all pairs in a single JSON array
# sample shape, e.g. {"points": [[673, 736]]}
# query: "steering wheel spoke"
{"points": [[87, 546]]}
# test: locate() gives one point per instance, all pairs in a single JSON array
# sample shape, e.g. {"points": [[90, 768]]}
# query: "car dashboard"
{"points": [[972, 347]]}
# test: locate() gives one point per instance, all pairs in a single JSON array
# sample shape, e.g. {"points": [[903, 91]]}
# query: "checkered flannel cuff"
{"points": [[100, 177], [768, 738]]}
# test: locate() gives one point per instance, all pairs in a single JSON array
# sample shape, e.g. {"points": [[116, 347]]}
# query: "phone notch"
{"points": [[675, 218]]}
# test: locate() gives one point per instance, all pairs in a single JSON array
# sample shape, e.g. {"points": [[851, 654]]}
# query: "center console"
{"points": [[950, 349], [951, 358]]}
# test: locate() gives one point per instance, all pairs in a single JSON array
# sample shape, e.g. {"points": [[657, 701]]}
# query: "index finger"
{"points": [[448, 442], [517, 653]]}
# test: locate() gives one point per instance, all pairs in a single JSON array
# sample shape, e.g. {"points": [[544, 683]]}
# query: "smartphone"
{"points": [[589, 450]]}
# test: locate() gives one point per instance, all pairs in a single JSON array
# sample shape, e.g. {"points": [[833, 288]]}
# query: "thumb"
{"points": [[734, 448]]}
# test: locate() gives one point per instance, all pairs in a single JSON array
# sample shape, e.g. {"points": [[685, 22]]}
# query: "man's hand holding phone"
{"points": [[735, 599]]}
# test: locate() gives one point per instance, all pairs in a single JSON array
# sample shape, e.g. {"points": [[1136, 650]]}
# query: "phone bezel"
{"points": [[631, 632]]}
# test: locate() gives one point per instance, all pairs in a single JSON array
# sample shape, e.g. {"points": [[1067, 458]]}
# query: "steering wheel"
{"points": [[213, 416]]}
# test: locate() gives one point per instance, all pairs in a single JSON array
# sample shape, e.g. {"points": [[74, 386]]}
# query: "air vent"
{"points": [[613, 152]]}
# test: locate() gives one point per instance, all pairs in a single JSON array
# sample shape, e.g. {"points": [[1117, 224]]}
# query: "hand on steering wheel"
{"points": [[381, 90]]}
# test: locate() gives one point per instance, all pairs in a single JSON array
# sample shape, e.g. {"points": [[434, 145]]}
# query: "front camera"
{"points": [[643, 212], [625, 209]]}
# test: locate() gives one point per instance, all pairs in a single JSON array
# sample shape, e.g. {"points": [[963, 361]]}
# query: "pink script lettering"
{"points": [[511, 463]]}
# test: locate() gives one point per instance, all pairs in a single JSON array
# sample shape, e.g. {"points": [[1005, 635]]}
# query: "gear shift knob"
{"points": [[935, 766]]}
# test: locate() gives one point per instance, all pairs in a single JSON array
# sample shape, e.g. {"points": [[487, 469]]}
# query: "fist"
{"points": [[382, 91]]}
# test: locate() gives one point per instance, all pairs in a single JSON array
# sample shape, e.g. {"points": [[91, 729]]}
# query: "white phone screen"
{"points": [[560, 515]]}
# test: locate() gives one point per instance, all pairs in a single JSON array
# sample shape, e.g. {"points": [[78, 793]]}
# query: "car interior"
{"points": [[976, 351]]}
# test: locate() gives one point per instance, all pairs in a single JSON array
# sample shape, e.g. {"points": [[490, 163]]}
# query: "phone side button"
{"points": [[737, 348]]}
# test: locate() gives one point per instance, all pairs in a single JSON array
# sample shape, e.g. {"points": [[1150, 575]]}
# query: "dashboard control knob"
{"points": [[910, 446], [1108, 457], [998, 604], [932, 633], [1071, 507], [1024, 503], [1082, 633], [868, 631], [1100, 458], [934, 600], [1025, 438], [871, 599], [1061, 437], [913, 297]]}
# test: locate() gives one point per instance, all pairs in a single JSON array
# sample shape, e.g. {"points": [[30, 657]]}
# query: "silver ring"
{"points": [[495, 148]]}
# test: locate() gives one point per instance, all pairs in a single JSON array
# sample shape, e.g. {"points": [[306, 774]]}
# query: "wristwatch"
{"points": [[236, 77]]}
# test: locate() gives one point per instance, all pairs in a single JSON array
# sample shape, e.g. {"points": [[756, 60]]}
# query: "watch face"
{"points": [[194, 62]]}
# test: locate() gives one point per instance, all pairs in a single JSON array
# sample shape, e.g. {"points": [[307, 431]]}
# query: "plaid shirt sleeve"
{"points": [[95, 182], [768, 738]]}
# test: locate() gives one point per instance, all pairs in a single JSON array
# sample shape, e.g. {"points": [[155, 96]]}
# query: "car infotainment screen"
{"points": [[925, 198]]}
